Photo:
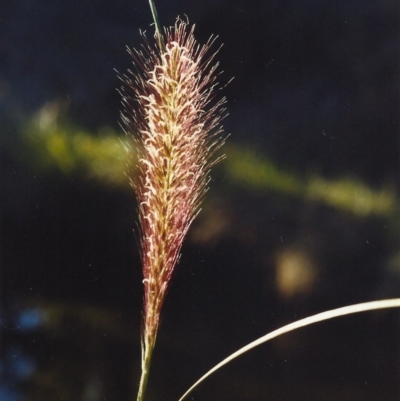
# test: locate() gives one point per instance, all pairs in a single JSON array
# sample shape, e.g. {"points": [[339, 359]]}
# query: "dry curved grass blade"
{"points": [[346, 310]]}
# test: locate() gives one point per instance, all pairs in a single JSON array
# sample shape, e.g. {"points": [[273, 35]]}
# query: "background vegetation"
{"points": [[302, 216]]}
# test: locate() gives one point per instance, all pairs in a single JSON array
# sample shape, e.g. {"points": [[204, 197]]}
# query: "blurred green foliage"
{"points": [[348, 194], [52, 143]]}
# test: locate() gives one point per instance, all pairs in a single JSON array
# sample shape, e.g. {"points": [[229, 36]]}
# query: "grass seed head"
{"points": [[170, 108]]}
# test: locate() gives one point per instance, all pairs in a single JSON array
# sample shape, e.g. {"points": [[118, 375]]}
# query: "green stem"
{"points": [[159, 36], [148, 351]]}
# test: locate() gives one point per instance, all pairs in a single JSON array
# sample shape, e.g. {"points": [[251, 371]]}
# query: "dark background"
{"points": [[316, 92]]}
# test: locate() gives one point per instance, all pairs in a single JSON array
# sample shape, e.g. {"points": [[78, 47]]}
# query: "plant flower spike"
{"points": [[169, 108]]}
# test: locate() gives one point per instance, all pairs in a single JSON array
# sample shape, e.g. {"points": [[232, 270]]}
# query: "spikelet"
{"points": [[169, 107]]}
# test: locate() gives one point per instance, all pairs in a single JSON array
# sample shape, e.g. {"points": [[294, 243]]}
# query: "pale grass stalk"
{"points": [[320, 317], [170, 110]]}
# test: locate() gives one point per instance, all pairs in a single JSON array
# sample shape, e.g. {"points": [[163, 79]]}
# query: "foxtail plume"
{"points": [[170, 109]]}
